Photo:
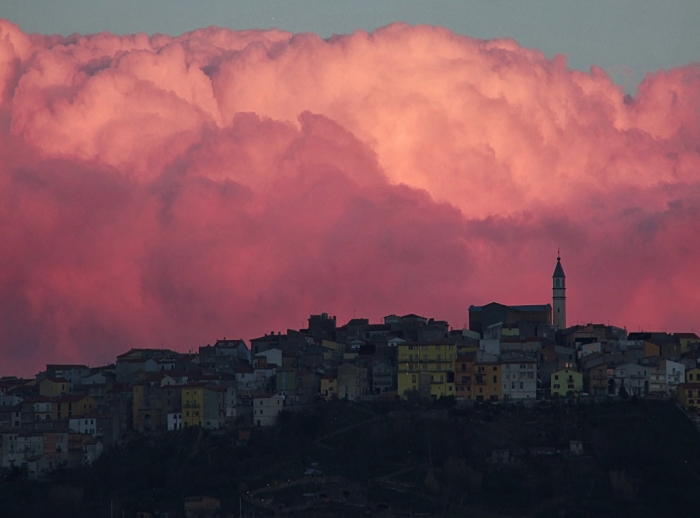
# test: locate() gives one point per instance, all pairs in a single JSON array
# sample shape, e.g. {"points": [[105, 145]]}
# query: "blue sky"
{"points": [[625, 37]]}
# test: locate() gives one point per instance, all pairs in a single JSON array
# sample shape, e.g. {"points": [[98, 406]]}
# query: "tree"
{"points": [[623, 392]]}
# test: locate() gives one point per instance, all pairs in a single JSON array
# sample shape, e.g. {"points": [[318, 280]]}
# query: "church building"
{"points": [[481, 317]]}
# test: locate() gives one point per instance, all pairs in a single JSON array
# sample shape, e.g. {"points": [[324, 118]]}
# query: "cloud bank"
{"points": [[166, 191]]}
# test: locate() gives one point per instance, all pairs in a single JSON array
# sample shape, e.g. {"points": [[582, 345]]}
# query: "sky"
{"points": [[168, 190], [627, 38]]}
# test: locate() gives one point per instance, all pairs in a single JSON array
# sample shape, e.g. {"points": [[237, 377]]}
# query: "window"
{"points": [[495, 368], [495, 379]]}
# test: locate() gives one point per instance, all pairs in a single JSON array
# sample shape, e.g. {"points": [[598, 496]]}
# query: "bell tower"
{"points": [[559, 295]]}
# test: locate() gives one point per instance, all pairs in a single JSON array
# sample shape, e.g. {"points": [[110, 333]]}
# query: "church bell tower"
{"points": [[559, 295]]}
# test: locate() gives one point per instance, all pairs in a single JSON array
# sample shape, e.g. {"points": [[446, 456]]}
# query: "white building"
{"points": [[17, 449], [38, 467], [98, 378], [266, 409], [634, 377], [245, 378], [230, 403], [666, 377], [42, 409], [490, 346], [10, 400], [73, 373], [586, 349], [91, 452], [175, 421], [83, 425], [519, 378], [395, 342], [272, 357], [232, 348]]}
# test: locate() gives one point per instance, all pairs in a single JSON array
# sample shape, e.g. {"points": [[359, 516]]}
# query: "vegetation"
{"points": [[641, 458]]}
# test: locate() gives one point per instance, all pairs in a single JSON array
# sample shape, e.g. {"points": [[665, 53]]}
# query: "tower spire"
{"points": [[559, 294]]}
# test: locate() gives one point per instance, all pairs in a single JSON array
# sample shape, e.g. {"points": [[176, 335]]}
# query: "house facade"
{"points": [[519, 379], [426, 363], [266, 409], [566, 382]]}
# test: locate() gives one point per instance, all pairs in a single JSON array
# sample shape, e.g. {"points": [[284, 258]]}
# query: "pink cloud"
{"points": [[168, 191]]}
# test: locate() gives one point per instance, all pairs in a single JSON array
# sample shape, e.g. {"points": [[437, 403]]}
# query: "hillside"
{"points": [[641, 458]]}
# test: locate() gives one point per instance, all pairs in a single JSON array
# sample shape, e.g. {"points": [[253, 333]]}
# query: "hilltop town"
{"points": [[526, 355]]}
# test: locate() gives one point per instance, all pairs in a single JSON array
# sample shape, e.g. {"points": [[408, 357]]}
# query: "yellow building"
{"points": [[335, 349], [427, 368], [53, 387], [486, 382], [329, 386], [192, 405], [71, 405], [566, 381], [692, 375], [689, 394], [686, 339], [651, 349], [147, 412]]}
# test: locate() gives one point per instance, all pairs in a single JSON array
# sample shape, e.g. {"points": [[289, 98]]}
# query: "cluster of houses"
{"points": [[68, 414]]}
